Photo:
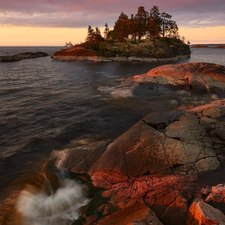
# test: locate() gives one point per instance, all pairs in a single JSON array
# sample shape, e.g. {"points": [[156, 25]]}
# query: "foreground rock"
{"points": [[20, 56], [155, 162], [202, 213], [195, 78], [155, 165], [138, 214], [187, 142]]}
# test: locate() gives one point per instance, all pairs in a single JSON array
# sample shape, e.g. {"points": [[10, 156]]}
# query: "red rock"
{"points": [[136, 214], [202, 213], [105, 209], [217, 194]]}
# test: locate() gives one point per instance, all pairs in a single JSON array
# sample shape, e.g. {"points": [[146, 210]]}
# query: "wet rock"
{"points": [[79, 160], [202, 213], [138, 214]]}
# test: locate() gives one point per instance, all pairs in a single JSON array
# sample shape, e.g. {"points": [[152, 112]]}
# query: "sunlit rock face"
{"points": [[194, 78], [202, 213], [187, 142]]}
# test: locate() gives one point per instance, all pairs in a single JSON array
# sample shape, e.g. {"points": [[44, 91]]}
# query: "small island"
{"points": [[144, 36]]}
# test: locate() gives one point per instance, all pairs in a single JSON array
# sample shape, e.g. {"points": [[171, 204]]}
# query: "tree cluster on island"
{"points": [[149, 34], [143, 24]]}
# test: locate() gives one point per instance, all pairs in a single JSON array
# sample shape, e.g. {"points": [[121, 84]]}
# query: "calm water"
{"points": [[47, 104]]}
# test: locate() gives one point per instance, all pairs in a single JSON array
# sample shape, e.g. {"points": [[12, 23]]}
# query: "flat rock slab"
{"points": [[199, 78]]}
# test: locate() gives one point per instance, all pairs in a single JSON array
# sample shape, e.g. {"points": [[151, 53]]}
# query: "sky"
{"points": [[55, 22]]}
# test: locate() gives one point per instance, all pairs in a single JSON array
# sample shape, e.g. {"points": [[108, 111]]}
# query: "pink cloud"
{"points": [[81, 13]]}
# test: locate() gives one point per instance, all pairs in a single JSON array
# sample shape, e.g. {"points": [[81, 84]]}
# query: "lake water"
{"points": [[47, 105]]}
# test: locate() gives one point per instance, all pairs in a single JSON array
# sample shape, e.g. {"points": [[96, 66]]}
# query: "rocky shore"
{"points": [[118, 58], [150, 174], [20, 56]]}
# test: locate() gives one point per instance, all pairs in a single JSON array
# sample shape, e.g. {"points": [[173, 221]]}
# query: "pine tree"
{"points": [[121, 30], [106, 31], [156, 21], [133, 27], [97, 36], [142, 20], [90, 36], [165, 22]]}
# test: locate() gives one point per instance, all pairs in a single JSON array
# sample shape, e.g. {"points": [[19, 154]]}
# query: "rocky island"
{"points": [[163, 49], [150, 174], [144, 37], [20, 56]]}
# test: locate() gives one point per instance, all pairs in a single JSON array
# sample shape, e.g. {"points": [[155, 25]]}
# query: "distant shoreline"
{"points": [[206, 46]]}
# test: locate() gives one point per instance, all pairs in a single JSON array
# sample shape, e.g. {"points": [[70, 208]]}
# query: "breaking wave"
{"points": [[51, 198]]}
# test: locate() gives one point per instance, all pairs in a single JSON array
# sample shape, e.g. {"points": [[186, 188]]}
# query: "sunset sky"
{"points": [[54, 22]]}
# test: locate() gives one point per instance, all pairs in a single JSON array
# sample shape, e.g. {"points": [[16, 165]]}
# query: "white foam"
{"points": [[173, 102], [61, 208], [116, 92], [122, 93]]}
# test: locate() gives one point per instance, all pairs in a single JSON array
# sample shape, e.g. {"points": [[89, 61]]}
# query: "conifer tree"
{"points": [[155, 21], [106, 31], [166, 22], [91, 35], [97, 35], [133, 27], [142, 20], [121, 30]]}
